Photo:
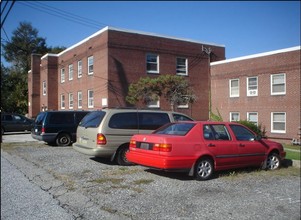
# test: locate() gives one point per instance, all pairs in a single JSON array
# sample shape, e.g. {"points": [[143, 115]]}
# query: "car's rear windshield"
{"points": [[92, 120], [179, 129], [40, 118]]}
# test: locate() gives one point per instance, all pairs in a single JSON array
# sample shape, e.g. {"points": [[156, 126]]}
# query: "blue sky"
{"points": [[244, 28]]}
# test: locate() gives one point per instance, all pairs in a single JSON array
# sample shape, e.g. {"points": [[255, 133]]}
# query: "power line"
{"points": [[12, 4], [63, 14]]}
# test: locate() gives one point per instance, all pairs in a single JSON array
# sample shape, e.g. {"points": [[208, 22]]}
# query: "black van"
{"points": [[57, 127]]}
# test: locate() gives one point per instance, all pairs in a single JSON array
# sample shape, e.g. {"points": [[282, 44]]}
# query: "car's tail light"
{"points": [[162, 147], [101, 139], [43, 130], [132, 143]]}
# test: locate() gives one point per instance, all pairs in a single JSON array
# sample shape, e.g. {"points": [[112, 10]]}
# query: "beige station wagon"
{"points": [[107, 133]]}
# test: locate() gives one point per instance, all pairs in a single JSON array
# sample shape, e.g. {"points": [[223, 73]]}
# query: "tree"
{"points": [[17, 51], [175, 89], [24, 42]]}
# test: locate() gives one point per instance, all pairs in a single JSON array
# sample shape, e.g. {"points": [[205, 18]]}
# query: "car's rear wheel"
{"points": [[121, 156], [63, 139], [273, 162], [204, 169]]}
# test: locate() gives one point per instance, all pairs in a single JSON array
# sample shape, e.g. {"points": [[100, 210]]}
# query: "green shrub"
{"points": [[256, 128]]}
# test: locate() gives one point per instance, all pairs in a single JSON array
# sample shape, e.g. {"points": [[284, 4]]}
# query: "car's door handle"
{"points": [[211, 145], [241, 145]]}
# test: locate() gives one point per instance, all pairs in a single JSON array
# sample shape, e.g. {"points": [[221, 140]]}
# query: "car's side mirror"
{"points": [[258, 137]]}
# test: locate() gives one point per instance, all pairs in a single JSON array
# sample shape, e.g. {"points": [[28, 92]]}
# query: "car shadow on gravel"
{"points": [[106, 161], [172, 175]]}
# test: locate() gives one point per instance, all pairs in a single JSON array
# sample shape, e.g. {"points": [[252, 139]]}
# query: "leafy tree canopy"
{"points": [[17, 51], [175, 89]]}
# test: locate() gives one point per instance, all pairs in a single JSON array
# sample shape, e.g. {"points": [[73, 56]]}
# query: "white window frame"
{"points": [[79, 99], [253, 121], [182, 70], [90, 64], [71, 100], [154, 104], [44, 88], [231, 116], [273, 130], [62, 75], [79, 69], [152, 63], [62, 101], [252, 91], [231, 88], [70, 68], [90, 99], [274, 84]]}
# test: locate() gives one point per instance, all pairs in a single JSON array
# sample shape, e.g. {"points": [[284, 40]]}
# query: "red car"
{"points": [[201, 148]]}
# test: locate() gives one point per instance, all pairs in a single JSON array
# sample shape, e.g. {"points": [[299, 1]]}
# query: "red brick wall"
{"points": [[127, 63], [264, 103], [34, 86]]}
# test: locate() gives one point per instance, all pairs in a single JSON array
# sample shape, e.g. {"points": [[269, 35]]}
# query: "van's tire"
{"points": [[63, 139], [121, 156]]}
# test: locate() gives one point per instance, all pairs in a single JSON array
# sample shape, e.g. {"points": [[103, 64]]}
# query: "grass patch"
{"points": [[242, 173], [105, 180], [293, 152], [143, 181]]}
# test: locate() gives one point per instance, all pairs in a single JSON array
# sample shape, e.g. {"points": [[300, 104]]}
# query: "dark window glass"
{"points": [[152, 121], [124, 121], [79, 116], [40, 118], [61, 118], [180, 129], [241, 133], [92, 120], [178, 117]]}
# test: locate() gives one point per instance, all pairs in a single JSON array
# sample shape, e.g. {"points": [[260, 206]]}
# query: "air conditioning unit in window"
{"points": [[252, 92]]}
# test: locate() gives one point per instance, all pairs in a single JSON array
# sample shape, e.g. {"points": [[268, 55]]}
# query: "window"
{"points": [[152, 121], [234, 87], [182, 66], [71, 72], [44, 88], [234, 116], [124, 121], [79, 99], [278, 122], [62, 75], [79, 69], [278, 84], [62, 101], [70, 100], [153, 104], [252, 86], [241, 133], [215, 132], [253, 117], [90, 99], [152, 63], [90, 65]]}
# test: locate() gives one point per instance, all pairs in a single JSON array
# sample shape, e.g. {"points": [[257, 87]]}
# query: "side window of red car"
{"points": [[216, 132]]}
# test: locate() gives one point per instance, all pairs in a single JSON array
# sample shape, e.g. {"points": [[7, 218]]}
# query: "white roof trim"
{"points": [[49, 55], [134, 32], [256, 55]]}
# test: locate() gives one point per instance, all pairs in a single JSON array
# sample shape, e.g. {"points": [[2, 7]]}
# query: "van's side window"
{"points": [[62, 118], [152, 121], [124, 121], [178, 117]]}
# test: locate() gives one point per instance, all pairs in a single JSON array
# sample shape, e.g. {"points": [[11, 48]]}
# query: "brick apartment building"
{"points": [[263, 88], [96, 72]]}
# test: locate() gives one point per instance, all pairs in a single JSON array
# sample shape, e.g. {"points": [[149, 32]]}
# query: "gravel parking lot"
{"points": [[90, 188]]}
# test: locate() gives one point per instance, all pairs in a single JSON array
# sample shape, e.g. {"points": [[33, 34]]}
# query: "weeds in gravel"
{"points": [[142, 181], [105, 180]]}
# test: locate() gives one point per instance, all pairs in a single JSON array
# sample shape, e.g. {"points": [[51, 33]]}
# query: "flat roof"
{"points": [[134, 32], [256, 55]]}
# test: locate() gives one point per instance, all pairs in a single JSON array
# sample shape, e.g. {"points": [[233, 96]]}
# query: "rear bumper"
{"points": [[96, 152], [49, 138], [160, 161]]}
